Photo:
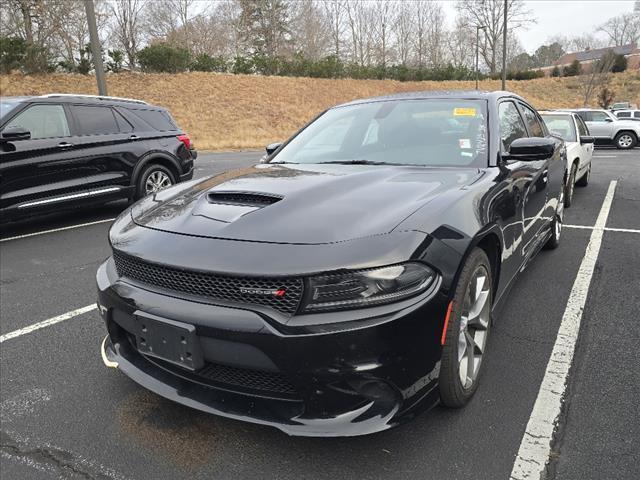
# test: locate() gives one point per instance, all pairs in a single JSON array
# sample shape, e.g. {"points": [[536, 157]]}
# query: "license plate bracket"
{"points": [[169, 340]]}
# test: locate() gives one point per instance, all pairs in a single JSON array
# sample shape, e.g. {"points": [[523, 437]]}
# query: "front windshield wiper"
{"points": [[359, 162]]}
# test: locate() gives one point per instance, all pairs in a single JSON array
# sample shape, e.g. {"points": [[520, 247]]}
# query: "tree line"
{"points": [[405, 40]]}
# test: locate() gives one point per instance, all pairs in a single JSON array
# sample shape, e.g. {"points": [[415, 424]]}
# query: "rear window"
{"points": [[95, 120], [157, 119]]}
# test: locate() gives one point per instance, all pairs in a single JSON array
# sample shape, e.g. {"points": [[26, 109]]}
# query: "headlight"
{"points": [[367, 287]]}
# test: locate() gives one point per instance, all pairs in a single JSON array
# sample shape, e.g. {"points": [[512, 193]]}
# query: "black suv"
{"points": [[58, 151]]}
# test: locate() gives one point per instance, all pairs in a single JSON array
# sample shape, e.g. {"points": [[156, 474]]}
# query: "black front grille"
{"points": [[242, 290], [263, 381]]}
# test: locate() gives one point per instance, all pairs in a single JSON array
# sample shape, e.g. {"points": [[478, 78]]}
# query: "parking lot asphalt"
{"points": [[64, 415]]}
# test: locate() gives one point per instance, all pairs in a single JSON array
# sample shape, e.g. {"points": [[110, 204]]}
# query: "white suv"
{"points": [[608, 129]]}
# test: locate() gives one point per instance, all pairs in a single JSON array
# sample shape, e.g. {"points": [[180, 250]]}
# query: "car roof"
{"points": [[71, 97], [437, 94], [632, 110], [556, 112]]}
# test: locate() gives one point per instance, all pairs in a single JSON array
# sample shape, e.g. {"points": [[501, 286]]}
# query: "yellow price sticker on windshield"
{"points": [[464, 112]]}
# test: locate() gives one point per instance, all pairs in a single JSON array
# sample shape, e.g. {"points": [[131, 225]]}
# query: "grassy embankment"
{"points": [[223, 112]]}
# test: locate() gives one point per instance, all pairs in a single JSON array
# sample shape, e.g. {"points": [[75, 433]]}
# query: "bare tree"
{"points": [[489, 13], [127, 27], [359, 20], [623, 29], [461, 42], [597, 77], [383, 15], [169, 20], [403, 32], [310, 29], [335, 12]]}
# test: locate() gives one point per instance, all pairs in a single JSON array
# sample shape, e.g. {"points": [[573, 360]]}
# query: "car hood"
{"points": [[302, 204]]}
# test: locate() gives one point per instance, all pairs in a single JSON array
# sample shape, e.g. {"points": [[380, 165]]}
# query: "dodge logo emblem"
{"points": [[279, 293]]}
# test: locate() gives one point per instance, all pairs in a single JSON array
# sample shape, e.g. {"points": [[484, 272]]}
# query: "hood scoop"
{"points": [[243, 199], [230, 206]]}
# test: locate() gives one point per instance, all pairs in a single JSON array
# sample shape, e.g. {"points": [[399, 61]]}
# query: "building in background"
{"points": [[587, 57]]}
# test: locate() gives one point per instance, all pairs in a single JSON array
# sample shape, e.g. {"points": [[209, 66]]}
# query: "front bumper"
{"points": [[348, 378]]}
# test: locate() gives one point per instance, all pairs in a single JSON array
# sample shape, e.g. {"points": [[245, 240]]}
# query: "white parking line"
{"points": [[57, 229], [536, 443], [46, 323], [606, 229]]}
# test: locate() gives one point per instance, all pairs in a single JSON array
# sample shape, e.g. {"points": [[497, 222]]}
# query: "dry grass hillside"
{"points": [[242, 111]]}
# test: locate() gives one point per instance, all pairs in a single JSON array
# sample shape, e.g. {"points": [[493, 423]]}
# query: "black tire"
{"points": [[569, 187], [584, 179], [453, 393], [625, 140], [149, 170], [556, 230]]}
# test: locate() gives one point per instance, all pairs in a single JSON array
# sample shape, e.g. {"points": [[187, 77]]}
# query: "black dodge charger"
{"points": [[348, 281]]}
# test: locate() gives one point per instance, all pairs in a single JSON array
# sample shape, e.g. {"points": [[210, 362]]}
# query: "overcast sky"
{"points": [[562, 17]]}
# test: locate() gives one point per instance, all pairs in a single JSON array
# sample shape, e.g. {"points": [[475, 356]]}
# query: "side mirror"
{"points": [[11, 134], [608, 120], [586, 139], [273, 147], [530, 149]]}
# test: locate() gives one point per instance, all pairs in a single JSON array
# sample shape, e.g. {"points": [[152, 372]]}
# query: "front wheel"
{"points": [[625, 140], [467, 331], [556, 228], [584, 180]]}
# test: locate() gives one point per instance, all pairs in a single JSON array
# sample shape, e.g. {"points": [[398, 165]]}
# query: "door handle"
{"points": [[65, 145], [134, 137]]}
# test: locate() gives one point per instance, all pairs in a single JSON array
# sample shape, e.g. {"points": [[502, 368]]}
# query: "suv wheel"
{"points": [[153, 179], [467, 332], [625, 140]]}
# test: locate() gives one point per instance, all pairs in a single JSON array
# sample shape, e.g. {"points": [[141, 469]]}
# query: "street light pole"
{"points": [[96, 51], [478, 28], [504, 47]]}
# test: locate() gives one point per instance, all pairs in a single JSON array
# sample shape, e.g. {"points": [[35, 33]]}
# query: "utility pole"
{"points": [[478, 28], [96, 51], [504, 47]]}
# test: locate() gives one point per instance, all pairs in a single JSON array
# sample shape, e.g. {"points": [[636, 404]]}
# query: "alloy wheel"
{"points": [[474, 326], [156, 181], [625, 141]]}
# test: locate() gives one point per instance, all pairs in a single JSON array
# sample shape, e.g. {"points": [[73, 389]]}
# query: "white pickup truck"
{"points": [[606, 128]]}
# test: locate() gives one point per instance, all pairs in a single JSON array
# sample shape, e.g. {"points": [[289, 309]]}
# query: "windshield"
{"points": [[7, 105], [561, 126], [430, 132]]}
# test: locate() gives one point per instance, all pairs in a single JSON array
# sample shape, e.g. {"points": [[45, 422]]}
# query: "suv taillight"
{"points": [[186, 140]]}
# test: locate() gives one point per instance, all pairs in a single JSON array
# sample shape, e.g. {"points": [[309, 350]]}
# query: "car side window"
{"points": [[582, 127], [123, 123], [511, 124], [43, 121], [586, 116], [535, 127], [95, 120], [624, 115], [600, 117], [636, 115]]}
